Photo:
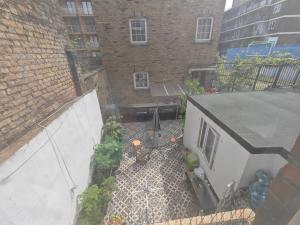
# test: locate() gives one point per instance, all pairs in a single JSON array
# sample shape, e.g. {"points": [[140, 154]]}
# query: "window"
{"points": [[94, 42], [277, 8], [71, 7], [138, 31], [207, 141], [87, 7], [204, 29], [141, 80], [272, 25]]}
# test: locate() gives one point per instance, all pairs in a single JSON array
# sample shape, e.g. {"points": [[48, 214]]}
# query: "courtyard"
{"points": [[156, 190]]}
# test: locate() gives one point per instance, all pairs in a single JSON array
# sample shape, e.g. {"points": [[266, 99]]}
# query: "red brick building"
{"points": [[150, 47]]}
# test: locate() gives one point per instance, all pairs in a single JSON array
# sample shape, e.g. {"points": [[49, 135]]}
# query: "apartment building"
{"points": [[273, 24], [236, 3], [150, 47], [79, 19]]}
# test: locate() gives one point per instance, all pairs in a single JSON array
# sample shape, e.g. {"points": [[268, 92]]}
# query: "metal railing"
{"points": [[89, 29], [73, 29], [256, 77]]}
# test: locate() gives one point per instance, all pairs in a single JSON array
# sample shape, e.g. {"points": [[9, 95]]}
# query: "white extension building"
{"points": [[40, 183], [236, 134]]}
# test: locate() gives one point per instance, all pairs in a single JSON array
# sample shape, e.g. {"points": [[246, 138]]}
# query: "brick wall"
{"points": [[34, 73], [283, 200], [171, 49]]}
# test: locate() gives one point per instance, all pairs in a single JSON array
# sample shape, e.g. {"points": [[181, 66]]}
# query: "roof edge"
{"points": [[242, 141]]}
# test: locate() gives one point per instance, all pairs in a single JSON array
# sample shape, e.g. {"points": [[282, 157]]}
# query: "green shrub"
{"points": [[192, 161], [93, 202], [108, 154], [113, 128]]}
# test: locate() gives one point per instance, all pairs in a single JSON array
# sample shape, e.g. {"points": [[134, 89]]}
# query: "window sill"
{"points": [[141, 89], [202, 41], [139, 44]]}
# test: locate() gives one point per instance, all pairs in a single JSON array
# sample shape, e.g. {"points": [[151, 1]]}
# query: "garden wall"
{"points": [[40, 183]]}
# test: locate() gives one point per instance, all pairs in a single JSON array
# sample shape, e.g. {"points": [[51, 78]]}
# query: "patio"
{"points": [[157, 190]]}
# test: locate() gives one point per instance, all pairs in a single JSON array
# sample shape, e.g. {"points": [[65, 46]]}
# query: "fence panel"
{"points": [[255, 77]]}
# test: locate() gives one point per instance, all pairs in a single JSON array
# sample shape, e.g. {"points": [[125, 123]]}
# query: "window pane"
{"points": [[141, 80], [138, 30], [204, 28], [209, 144], [203, 134]]}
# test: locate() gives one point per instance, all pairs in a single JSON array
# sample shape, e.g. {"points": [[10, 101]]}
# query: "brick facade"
{"points": [[171, 49], [35, 77], [283, 200]]}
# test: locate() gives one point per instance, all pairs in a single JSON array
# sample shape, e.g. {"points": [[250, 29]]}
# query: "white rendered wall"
{"points": [[230, 158], [40, 191], [232, 161], [270, 163]]}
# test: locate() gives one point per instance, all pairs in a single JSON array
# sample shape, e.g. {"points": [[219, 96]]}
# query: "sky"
{"points": [[228, 4]]}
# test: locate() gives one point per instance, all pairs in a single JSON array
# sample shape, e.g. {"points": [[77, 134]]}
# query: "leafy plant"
{"points": [[235, 75], [113, 128], [191, 87], [94, 200], [108, 154]]}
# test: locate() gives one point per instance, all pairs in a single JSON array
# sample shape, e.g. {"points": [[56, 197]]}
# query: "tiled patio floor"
{"points": [[169, 196]]}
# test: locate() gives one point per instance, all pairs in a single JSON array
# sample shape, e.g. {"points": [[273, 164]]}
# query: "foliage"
{"points": [[115, 220], [191, 87], [236, 74], [94, 200], [113, 128], [192, 161], [108, 154]]}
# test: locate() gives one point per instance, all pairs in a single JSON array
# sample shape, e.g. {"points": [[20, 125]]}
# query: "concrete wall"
{"points": [[270, 163], [230, 158], [35, 187], [171, 49], [35, 78]]}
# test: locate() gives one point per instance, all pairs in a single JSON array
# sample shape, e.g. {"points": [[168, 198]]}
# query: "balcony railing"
{"points": [[89, 29], [72, 29]]}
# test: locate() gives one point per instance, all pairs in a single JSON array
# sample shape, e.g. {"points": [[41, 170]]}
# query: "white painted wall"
{"points": [[270, 163], [232, 161], [230, 158], [38, 190]]}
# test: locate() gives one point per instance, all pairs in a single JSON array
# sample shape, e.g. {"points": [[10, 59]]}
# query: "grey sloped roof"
{"points": [[263, 119]]}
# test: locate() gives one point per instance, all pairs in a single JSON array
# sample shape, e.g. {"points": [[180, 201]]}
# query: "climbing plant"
{"points": [[191, 87]]}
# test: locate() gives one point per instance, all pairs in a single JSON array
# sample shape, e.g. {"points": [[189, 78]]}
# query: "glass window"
{"points": [[204, 29], [277, 8], [71, 7], [141, 80], [87, 7], [138, 31], [207, 141]]}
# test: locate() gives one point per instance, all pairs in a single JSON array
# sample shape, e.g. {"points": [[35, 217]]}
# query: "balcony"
{"points": [[73, 29], [89, 29]]}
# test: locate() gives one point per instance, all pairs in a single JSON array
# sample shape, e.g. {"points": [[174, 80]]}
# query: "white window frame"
{"points": [[211, 29], [211, 160], [146, 32], [134, 80], [277, 8]]}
